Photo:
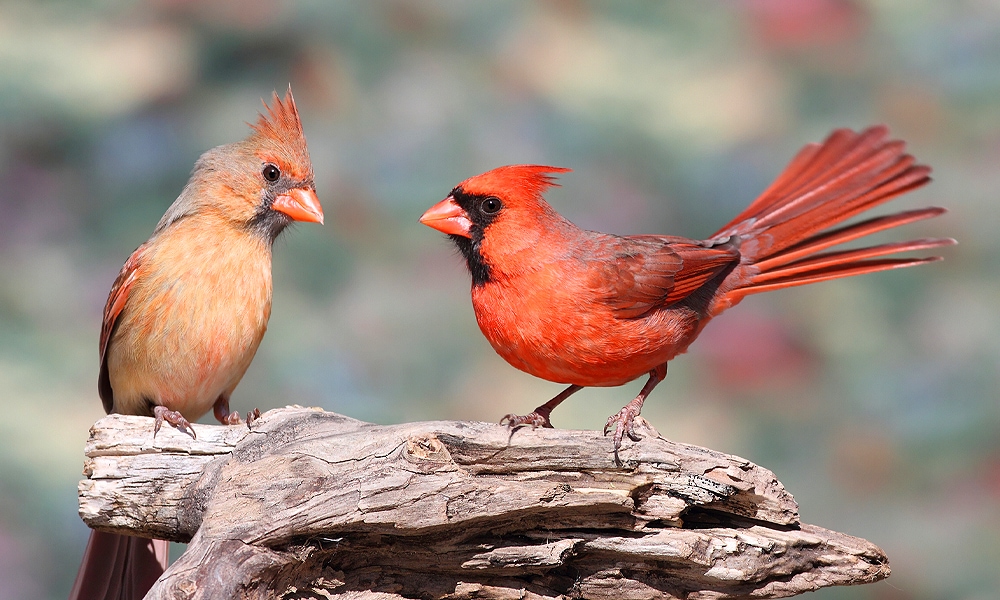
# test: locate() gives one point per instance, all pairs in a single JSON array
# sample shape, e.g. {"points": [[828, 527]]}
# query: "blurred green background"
{"points": [[874, 399]]}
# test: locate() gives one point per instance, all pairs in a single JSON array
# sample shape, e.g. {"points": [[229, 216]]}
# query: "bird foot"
{"points": [[624, 424], [232, 418], [534, 418], [221, 411], [162, 413], [252, 416]]}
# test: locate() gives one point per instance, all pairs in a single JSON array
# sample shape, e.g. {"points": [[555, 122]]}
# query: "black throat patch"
{"points": [[470, 246], [267, 222]]}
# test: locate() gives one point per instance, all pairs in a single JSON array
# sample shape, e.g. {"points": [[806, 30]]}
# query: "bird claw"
{"points": [[252, 416], [624, 422], [232, 418], [162, 413], [534, 418]]}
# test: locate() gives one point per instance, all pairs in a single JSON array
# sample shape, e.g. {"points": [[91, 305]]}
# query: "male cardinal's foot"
{"points": [[624, 421], [252, 416], [535, 418], [625, 418], [540, 416], [162, 413]]}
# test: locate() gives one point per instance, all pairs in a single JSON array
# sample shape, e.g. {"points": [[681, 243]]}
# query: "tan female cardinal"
{"points": [[591, 309], [190, 306]]}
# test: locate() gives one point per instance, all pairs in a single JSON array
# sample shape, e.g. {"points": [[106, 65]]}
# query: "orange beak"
{"points": [[448, 217], [300, 204]]}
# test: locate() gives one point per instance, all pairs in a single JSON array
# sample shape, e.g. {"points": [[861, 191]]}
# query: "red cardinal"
{"points": [[592, 309], [190, 306]]}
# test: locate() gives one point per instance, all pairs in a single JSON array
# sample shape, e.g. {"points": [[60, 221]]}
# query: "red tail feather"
{"points": [[820, 262], [783, 230], [843, 235], [844, 270]]}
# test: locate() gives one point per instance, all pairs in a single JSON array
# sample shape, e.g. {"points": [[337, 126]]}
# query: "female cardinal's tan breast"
{"points": [[545, 310], [194, 318]]}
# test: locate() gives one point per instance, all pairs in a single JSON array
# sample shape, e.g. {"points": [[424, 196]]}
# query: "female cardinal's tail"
{"points": [[784, 232], [119, 567]]}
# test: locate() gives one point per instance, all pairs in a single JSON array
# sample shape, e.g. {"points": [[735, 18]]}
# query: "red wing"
{"points": [[116, 302], [653, 271]]}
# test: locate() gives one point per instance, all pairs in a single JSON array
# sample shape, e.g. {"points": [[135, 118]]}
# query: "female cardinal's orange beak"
{"points": [[300, 204], [448, 217]]}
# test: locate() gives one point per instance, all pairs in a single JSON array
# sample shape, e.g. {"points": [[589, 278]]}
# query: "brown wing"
{"points": [[116, 302], [654, 271]]}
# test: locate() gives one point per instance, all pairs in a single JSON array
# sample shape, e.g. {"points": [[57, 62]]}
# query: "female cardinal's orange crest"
{"points": [[278, 130]]}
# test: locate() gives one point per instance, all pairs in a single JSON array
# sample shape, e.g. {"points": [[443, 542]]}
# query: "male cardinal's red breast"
{"points": [[592, 309], [190, 306]]}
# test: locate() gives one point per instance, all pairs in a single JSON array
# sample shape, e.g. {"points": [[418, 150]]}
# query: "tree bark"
{"points": [[311, 504]]}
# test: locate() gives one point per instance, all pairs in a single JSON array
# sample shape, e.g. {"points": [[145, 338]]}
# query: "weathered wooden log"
{"points": [[311, 504]]}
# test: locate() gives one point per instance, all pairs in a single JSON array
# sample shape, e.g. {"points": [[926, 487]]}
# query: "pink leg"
{"points": [[221, 411], [626, 416], [162, 413], [540, 416]]}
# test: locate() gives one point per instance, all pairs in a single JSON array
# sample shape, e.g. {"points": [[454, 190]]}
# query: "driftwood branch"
{"points": [[312, 504]]}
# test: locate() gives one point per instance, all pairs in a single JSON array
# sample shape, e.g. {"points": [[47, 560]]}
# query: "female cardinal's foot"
{"points": [[252, 416], [221, 411], [162, 413], [232, 418], [535, 418]]}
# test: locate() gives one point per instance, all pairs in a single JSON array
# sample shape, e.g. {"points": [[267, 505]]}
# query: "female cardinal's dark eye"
{"points": [[491, 205], [271, 172]]}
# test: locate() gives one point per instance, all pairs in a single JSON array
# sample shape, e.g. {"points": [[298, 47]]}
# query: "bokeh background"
{"points": [[874, 399]]}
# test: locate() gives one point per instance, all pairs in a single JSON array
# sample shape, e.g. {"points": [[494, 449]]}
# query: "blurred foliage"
{"points": [[873, 399]]}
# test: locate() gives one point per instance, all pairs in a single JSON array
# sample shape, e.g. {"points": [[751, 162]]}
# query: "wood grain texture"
{"points": [[312, 504]]}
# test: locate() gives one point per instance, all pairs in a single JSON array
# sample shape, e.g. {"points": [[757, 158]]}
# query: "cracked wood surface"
{"points": [[312, 504]]}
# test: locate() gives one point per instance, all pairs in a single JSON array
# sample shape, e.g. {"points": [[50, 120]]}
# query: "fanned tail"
{"points": [[784, 232]]}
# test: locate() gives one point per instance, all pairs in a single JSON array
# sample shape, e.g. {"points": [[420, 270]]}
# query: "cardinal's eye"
{"points": [[491, 206], [271, 172]]}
